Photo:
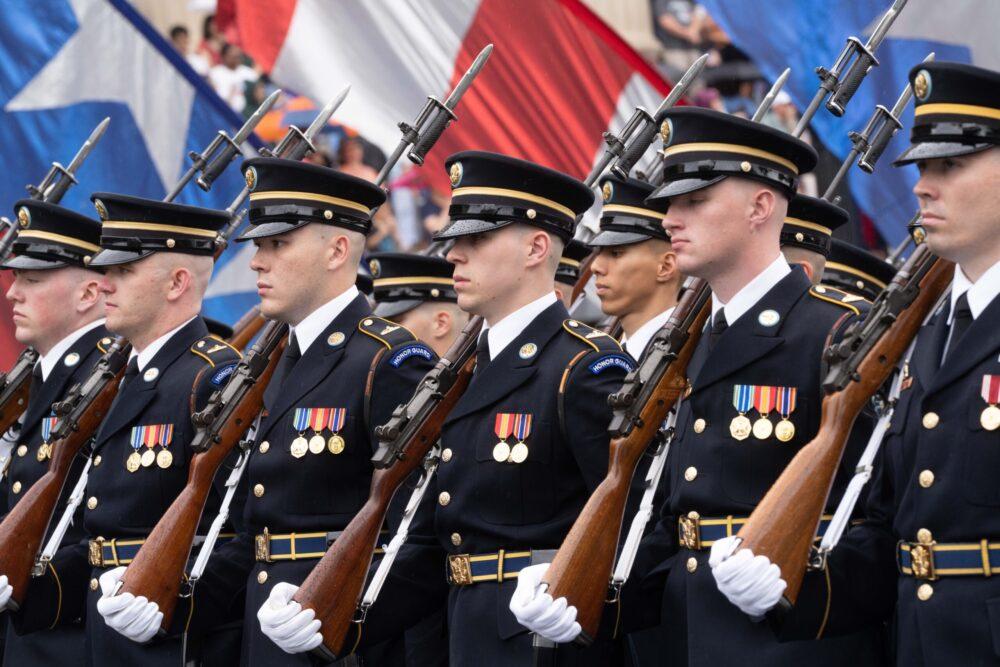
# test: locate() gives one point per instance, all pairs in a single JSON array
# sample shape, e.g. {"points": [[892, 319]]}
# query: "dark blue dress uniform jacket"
{"points": [[959, 622], [711, 473], [123, 505], [564, 385], [363, 363], [65, 643]]}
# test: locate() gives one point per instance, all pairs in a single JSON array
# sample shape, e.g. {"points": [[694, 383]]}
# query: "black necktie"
{"points": [[483, 352], [289, 358], [131, 370], [719, 326], [36, 381], [960, 323]]}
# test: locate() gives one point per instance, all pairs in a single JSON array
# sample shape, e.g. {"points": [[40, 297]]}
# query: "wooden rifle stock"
{"points": [[334, 587], [80, 415], [783, 524], [14, 389], [246, 328], [582, 567], [157, 571]]}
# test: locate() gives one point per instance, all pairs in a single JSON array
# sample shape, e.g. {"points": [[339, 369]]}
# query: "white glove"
{"points": [[6, 590], [554, 620], [135, 617], [285, 623], [752, 583]]}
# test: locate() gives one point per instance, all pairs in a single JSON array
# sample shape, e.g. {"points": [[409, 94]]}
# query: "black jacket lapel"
{"points": [[926, 358], [980, 339]]}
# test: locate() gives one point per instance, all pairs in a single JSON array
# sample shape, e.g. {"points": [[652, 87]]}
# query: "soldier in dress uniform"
{"points": [[157, 259], [754, 387], [309, 471], [59, 311], [931, 539], [568, 271], [855, 270], [807, 233], [635, 271], [526, 443], [418, 292]]}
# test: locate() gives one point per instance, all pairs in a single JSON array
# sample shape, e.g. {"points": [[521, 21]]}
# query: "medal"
{"points": [[519, 454], [43, 452], [740, 427], [763, 401], [990, 416], [317, 444], [785, 400], [522, 429], [335, 422], [503, 426], [164, 458], [149, 436], [335, 444], [133, 462], [148, 458], [299, 447], [501, 452], [316, 418]]}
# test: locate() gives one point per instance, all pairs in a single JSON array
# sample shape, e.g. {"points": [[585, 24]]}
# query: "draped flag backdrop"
{"points": [[65, 65]]}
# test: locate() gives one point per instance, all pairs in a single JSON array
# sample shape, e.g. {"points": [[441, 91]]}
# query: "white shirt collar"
{"points": [[309, 329], [49, 361], [147, 354], [980, 293], [637, 342], [503, 332], [753, 291]]}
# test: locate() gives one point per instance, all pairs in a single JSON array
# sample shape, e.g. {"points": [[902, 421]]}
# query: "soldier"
{"points": [[635, 271], [525, 444], [310, 467], [157, 259], [59, 311], [754, 390], [929, 544], [418, 292], [855, 270], [806, 235], [568, 271]]}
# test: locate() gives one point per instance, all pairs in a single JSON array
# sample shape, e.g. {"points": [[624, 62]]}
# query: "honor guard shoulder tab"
{"points": [[215, 351], [851, 302], [104, 344], [385, 331], [596, 339]]}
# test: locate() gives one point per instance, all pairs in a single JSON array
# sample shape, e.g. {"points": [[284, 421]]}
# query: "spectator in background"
{"points": [[709, 98], [181, 40], [231, 76], [211, 42], [351, 156], [678, 25], [383, 237]]}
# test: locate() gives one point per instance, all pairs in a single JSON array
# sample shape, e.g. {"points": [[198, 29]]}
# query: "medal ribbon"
{"points": [[156, 434], [504, 425], [48, 424], [138, 433], [335, 419], [785, 400], [742, 397], [522, 426], [317, 418], [991, 389], [763, 399], [301, 419]]}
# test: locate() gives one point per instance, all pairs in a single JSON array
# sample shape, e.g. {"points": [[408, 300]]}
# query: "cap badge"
{"points": [[375, 267], [666, 132], [455, 174], [335, 339], [607, 190], [922, 85], [72, 359], [102, 210], [23, 217], [151, 374], [251, 176], [528, 350], [768, 318]]}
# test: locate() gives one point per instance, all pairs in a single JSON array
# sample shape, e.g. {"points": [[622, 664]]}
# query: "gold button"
{"points": [[699, 425], [91, 503], [16, 487], [258, 490], [690, 474], [94, 584], [264, 446], [261, 577], [931, 420], [22, 450], [925, 592], [444, 498], [692, 564], [456, 539], [924, 536], [97, 460], [926, 478], [446, 455], [745, 166]]}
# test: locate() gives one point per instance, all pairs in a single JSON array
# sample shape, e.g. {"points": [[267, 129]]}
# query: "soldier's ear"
{"points": [[763, 207], [666, 268], [541, 249], [89, 296]]}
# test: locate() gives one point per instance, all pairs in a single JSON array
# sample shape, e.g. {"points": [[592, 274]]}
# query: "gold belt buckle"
{"points": [[460, 569], [262, 547], [922, 561], [690, 531], [96, 552]]}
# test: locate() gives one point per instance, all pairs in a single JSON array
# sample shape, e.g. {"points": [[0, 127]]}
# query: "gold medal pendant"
{"points": [[43, 452], [784, 431], [335, 444], [519, 453], [317, 444], [148, 458], [763, 428], [740, 427], [299, 447], [164, 459], [990, 418], [133, 462], [501, 452]]}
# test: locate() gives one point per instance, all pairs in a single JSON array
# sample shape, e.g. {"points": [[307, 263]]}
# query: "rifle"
{"points": [[157, 571], [582, 567], [14, 387], [784, 523], [246, 328]]}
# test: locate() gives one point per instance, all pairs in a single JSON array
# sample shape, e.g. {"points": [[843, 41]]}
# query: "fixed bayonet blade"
{"points": [[682, 86], [468, 77], [765, 104], [323, 117], [256, 117]]}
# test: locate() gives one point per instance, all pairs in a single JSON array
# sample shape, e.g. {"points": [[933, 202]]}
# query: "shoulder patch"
{"points": [[221, 375], [837, 297], [214, 350], [410, 351], [596, 339], [385, 331], [611, 361]]}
